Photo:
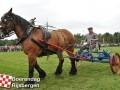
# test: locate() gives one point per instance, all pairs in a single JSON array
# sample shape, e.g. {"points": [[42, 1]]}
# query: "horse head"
{"points": [[7, 23], [11, 22]]}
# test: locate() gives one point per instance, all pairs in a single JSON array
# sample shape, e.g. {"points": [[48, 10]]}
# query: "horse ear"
{"points": [[10, 11]]}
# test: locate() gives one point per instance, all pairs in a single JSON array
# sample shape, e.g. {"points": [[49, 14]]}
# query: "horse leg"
{"points": [[73, 70], [41, 72], [61, 61], [32, 61]]}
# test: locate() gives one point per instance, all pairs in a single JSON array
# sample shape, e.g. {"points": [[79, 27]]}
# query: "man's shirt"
{"points": [[89, 37]]}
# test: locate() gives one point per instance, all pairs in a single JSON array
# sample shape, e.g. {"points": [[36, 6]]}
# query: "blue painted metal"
{"points": [[102, 56]]}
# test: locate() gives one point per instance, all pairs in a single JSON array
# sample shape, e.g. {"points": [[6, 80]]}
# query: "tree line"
{"points": [[105, 38], [8, 42]]}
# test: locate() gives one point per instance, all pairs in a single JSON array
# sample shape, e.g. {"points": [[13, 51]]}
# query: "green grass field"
{"points": [[90, 76]]}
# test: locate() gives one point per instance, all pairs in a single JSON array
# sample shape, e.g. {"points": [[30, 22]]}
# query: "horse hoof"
{"points": [[42, 76], [58, 73], [73, 72]]}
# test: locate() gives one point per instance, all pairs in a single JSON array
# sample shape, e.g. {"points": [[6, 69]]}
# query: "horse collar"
{"points": [[25, 35]]}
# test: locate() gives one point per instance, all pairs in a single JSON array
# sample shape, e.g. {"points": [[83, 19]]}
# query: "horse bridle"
{"points": [[6, 20]]}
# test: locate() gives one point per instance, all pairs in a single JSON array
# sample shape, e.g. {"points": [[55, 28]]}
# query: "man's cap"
{"points": [[90, 28]]}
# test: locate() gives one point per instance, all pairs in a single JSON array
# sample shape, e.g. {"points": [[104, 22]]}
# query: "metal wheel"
{"points": [[115, 63]]}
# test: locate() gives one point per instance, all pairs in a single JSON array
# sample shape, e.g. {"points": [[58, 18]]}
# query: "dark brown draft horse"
{"points": [[61, 37]]}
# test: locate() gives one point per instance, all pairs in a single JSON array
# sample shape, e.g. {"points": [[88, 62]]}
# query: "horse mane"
{"points": [[21, 21]]}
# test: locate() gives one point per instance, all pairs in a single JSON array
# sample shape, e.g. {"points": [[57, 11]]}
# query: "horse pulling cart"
{"points": [[97, 56], [34, 40]]}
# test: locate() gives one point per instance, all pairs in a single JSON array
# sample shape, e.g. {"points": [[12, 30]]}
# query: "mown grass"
{"points": [[90, 76]]}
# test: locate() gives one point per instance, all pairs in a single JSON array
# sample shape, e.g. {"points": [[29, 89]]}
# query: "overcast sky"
{"points": [[74, 15]]}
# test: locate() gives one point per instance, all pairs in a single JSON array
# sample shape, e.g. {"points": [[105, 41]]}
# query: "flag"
{"points": [[5, 81]]}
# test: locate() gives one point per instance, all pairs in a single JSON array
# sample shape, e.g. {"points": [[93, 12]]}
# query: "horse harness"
{"points": [[25, 35], [46, 37], [28, 30]]}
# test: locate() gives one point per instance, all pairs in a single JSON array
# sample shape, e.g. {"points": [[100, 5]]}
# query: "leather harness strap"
{"points": [[25, 35]]}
